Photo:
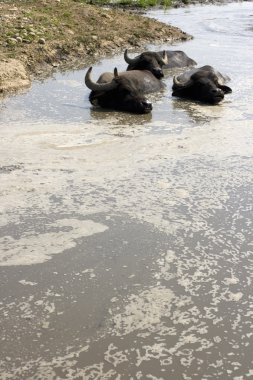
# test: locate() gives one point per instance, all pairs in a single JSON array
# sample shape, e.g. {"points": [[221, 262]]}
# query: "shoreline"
{"points": [[34, 45]]}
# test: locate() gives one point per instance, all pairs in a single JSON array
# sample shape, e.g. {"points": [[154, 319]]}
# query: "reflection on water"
{"points": [[118, 118], [126, 240], [193, 111]]}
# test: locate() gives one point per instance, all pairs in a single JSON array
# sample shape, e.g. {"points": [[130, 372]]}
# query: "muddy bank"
{"points": [[44, 36]]}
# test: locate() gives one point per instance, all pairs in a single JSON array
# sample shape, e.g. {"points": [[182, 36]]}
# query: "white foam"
{"points": [[143, 311], [38, 248], [25, 282], [115, 356]]}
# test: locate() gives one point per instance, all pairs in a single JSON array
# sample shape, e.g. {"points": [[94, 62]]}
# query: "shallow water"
{"points": [[126, 240]]}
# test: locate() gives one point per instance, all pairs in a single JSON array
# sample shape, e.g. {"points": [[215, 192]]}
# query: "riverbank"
{"points": [[37, 37]]}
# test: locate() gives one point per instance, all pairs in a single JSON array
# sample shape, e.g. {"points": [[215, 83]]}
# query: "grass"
{"points": [[133, 3], [73, 31], [141, 3]]}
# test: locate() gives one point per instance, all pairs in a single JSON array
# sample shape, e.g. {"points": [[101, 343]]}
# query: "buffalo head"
{"points": [[150, 61], [118, 93], [203, 85]]}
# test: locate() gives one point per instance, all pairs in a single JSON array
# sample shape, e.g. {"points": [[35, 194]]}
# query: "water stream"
{"points": [[126, 240]]}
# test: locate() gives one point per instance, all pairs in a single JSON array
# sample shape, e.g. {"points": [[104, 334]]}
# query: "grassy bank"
{"points": [[45, 34]]}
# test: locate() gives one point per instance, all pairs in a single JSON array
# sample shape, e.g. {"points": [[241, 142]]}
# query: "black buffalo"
{"points": [[178, 59], [157, 61], [204, 84], [150, 61], [123, 91]]}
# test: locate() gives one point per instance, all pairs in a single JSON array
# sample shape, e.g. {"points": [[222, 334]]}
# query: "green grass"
{"points": [[137, 3], [134, 3]]}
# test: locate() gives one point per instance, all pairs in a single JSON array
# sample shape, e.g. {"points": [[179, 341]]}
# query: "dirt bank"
{"points": [[38, 36]]}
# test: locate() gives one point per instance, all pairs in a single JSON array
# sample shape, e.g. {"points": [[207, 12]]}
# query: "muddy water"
{"points": [[126, 241]]}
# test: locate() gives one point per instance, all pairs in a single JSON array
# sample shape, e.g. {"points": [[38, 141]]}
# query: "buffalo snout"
{"points": [[158, 73], [147, 106], [216, 95]]}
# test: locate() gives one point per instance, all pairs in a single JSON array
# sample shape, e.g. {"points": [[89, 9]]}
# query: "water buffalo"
{"points": [[123, 91], [178, 59], [204, 84], [149, 61], [157, 61]]}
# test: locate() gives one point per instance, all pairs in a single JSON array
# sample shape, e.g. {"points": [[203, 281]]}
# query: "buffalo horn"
{"points": [[116, 74], [177, 83], [165, 58], [94, 86], [129, 60]]}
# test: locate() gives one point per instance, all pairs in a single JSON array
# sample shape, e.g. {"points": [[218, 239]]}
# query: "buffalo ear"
{"points": [[225, 89]]}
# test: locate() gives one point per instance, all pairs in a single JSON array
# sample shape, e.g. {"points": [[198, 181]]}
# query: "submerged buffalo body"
{"points": [[204, 84], [178, 58], [123, 91], [157, 61]]}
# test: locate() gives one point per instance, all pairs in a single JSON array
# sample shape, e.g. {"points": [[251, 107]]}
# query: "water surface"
{"points": [[126, 240]]}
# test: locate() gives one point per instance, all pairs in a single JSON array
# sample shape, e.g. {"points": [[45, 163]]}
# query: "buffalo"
{"points": [[203, 84], [124, 91], [150, 61], [157, 61]]}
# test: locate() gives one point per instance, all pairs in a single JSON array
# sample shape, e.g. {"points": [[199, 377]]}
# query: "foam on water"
{"points": [[34, 248], [74, 179]]}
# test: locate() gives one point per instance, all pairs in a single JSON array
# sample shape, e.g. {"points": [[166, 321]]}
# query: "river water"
{"points": [[126, 245]]}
